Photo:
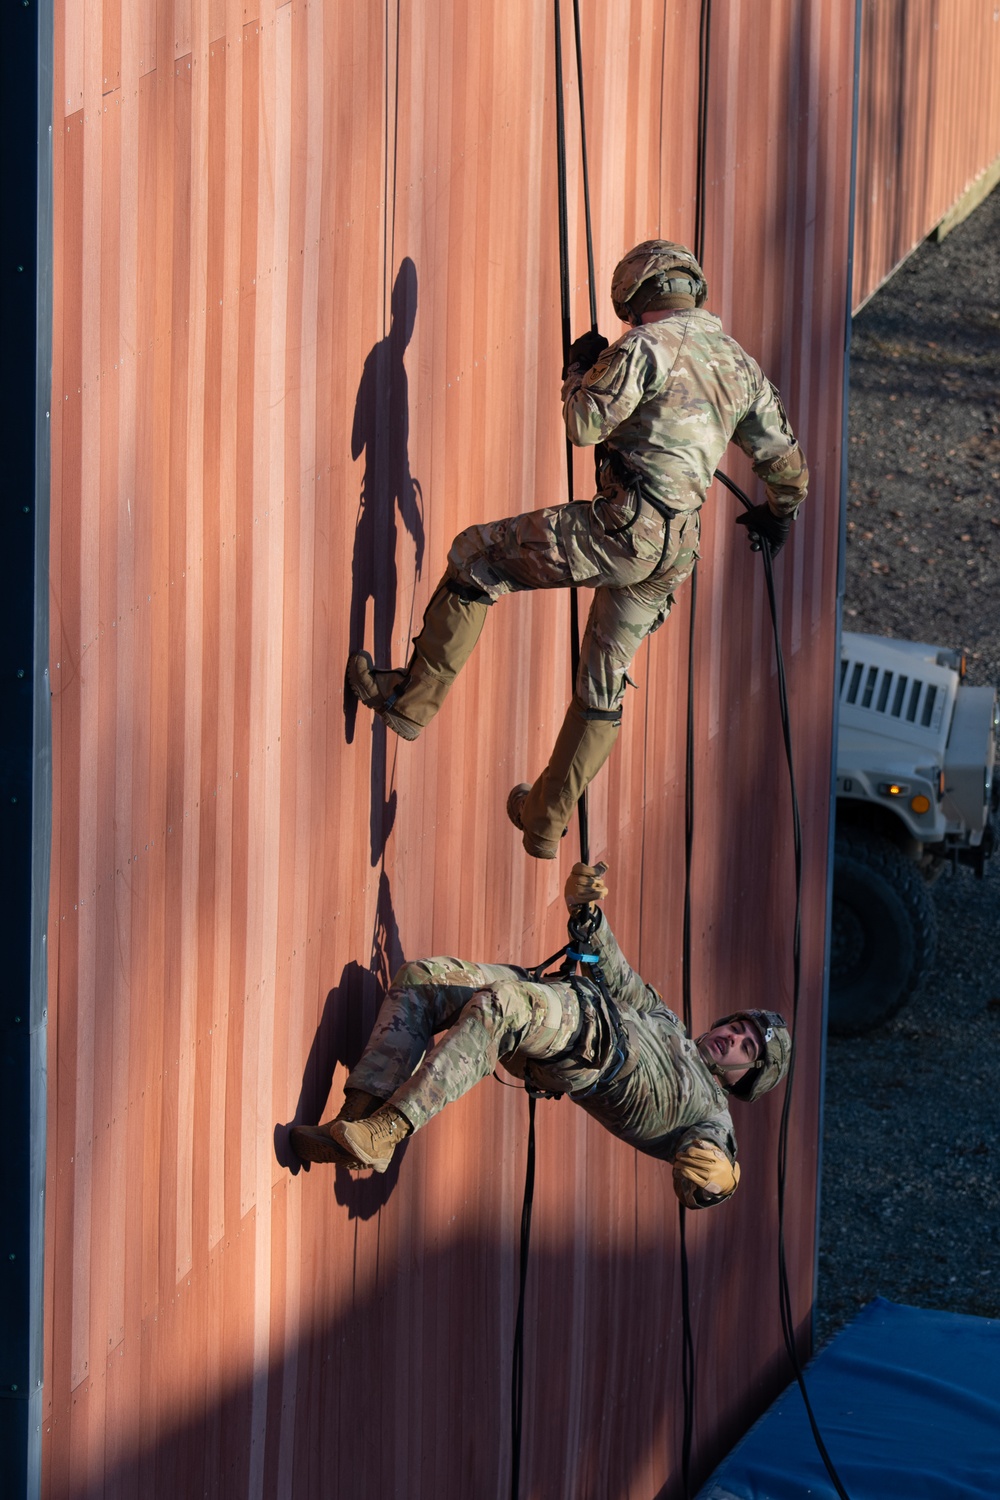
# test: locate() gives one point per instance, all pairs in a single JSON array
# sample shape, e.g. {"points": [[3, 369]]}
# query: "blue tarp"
{"points": [[908, 1404]]}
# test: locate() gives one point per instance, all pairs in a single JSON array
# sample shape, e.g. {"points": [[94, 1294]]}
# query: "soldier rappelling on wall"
{"points": [[661, 404], [607, 1042]]}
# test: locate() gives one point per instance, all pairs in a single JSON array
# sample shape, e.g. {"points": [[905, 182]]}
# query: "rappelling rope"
{"points": [[687, 1334], [517, 1356], [564, 299], [517, 1363], [787, 1321], [784, 1290]]}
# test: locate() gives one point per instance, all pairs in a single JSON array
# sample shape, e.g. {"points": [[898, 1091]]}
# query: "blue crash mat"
{"points": [[908, 1404]]}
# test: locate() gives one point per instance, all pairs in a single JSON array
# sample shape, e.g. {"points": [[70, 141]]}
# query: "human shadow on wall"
{"points": [[348, 1016], [381, 435]]}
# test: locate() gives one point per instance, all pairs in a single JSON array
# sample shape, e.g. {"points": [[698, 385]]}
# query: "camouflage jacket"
{"points": [[664, 1096], [666, 399]]}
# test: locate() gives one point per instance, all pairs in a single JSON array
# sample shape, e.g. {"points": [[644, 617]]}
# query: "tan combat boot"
{"points": [[543, 810], [358, 1105], [371, 1142], [315, 1143], [407, 700], [378, 690]]}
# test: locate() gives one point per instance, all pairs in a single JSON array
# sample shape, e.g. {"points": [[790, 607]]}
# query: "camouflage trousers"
{"points": [[617, 545], [487, 1011]]}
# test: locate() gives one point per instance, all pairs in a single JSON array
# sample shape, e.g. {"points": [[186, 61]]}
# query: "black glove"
{"points": [[586, 350], [763, 525]]}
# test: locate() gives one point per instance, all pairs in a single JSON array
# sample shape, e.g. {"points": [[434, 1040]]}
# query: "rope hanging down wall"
{"points": [[787, 1322], [517, 1357], [784, 1290], [687, 1335]]}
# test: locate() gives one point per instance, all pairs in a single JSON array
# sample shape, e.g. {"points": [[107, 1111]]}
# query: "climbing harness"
{"points": [[592, 989]]}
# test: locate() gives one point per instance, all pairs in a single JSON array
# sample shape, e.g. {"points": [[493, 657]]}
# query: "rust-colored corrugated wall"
{"points": [[928, 123], [305, 328]]}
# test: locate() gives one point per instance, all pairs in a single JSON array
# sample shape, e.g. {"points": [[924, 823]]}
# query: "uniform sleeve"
{"points": [[598, 400], [766, 438], [628, 987]]}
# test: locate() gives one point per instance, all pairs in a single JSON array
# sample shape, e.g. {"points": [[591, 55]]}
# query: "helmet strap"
{"points": [[670, 302]]}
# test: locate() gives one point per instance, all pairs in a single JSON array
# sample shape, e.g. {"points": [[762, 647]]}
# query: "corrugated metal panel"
{"points": [[928, 125], [306, 328]]}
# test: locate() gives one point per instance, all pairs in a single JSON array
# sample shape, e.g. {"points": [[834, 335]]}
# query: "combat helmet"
{"points": [[649, 266], [772, 1064]]}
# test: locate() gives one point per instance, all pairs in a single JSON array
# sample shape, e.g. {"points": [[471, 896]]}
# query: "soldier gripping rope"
{"points": [[661, 404], [611, 1046]]}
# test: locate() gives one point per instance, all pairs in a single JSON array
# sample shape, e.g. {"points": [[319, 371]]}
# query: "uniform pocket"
{"points": [[617, 513], [681, 552]]}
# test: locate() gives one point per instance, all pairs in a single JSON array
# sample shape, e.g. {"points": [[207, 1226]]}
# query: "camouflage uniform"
{"points": [[663, 402], [557, 1036]]}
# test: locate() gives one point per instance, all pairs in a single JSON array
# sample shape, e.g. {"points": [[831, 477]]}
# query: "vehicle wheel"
{"points": [[884, 932]]}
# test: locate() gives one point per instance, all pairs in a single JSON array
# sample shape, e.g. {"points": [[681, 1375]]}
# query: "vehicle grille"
{"points": [[894, 694]]}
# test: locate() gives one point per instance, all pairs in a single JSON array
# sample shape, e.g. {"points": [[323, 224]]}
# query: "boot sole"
{"points": [[370, 697], [515, 802], [311, 1143], [534, 845]]}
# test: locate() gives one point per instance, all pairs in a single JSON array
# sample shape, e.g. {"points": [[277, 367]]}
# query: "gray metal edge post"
{"points": [[841, 570], [42, 753]]}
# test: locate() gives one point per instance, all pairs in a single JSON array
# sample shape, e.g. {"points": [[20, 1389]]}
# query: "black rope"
{"points": [[564, 290], [687, 1333], [704, 40], [517, 1368], [564, 295], [591, 281], [784, 1289], [517, 1358], [688, 1371], [687, 1359]]}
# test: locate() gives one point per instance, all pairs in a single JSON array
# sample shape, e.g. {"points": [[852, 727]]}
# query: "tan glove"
{"points": [[584, 884], [702, 1166]]}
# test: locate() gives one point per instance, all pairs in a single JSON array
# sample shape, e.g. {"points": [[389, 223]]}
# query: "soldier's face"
{"points": [[733, 1046]]}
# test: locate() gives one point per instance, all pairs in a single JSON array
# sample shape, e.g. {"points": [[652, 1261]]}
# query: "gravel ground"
{"points": [[911, 1170]]}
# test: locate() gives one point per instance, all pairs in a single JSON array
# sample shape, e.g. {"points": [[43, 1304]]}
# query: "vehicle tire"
{"points": [[883, 933]]}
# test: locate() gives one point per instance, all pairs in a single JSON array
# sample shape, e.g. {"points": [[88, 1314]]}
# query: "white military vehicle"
{"points": [[915, 790]]}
